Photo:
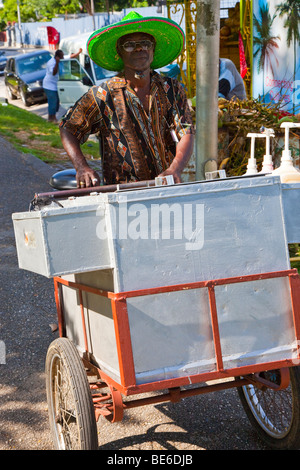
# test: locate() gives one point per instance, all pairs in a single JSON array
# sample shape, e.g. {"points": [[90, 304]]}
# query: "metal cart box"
{"points": [[160, 236], [291, 209], [163, 288], [167, 236]]}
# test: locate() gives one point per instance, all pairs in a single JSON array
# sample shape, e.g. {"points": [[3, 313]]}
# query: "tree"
{"points": [[265, 42], [41, 10], [9, 11], [291, 9], [37, 10]]}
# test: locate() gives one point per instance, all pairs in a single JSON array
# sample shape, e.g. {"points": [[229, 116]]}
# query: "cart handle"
{"points": [[98, 189]]}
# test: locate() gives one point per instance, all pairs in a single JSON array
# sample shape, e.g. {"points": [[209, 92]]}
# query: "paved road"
{"points": [[26, 310], [213, 422]]}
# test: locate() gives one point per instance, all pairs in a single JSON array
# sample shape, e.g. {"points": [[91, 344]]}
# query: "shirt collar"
{"points": [[119, 80]]}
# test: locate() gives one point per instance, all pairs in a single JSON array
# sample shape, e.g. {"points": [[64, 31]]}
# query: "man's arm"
{"points": [[182, 131], [85, 176], [55, 68], [75, 54], [184, 151]]}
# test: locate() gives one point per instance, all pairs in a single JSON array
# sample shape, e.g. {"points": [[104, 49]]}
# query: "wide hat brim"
{"points": [[169, 37]]}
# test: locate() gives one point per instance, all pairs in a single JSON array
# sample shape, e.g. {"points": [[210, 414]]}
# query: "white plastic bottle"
{"points": [[288, 173]]}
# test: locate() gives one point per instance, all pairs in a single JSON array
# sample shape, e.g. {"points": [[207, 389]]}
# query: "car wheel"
{"points": [[9, 93], [23, 98]]}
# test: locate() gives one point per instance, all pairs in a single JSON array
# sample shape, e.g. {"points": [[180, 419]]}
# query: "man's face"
{"points": [[140, 58]]}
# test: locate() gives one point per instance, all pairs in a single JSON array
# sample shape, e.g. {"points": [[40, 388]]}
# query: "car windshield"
{"points": [[32, 63], [103, 73]]}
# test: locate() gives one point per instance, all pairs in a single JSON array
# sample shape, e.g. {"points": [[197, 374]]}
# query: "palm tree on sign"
{"points": [[291, 8], [264, 41]]}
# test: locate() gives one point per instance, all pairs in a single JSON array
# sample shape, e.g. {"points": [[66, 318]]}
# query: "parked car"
{"points": [[74, 80], [76, 76], [3, 60], [23, 76]]}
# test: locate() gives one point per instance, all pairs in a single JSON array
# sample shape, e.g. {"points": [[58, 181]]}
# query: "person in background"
{"points": [[231, 84], [143, 118], [13, 30], [50, 82], [8, 32]]}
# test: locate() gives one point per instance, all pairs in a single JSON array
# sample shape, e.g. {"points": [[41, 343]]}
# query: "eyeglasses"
{"points": [[130, 46]]}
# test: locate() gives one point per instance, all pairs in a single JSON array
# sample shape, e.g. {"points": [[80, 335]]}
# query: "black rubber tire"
{"points": [[71, 411], [275, 415], [24, 99], [9, 93]]}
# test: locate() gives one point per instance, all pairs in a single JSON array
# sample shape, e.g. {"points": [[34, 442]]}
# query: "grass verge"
{"points": [[30, 133]]}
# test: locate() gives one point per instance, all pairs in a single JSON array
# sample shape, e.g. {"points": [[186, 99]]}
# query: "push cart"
{"points": [[176, 290]]}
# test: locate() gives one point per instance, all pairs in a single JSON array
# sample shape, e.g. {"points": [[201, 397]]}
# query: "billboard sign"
{"points": [[276, 53]]}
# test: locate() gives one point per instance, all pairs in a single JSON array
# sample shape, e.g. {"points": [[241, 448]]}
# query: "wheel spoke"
{"points": [[65, 408], [71, 410], [275, 414], [266, 404]]}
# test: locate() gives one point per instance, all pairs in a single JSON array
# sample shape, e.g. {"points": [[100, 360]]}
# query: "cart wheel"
{"points": [[275, 415], [71, 410]]}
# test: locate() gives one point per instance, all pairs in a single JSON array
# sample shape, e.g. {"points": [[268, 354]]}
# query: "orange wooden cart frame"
{"points": [[128, 386]]}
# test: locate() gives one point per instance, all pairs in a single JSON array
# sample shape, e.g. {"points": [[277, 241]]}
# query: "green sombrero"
{"points": [[169, 37]]}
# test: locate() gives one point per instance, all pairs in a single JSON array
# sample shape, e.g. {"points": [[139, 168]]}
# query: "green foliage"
{"points": [[290, 9], [9, 11], [45, 10], [294, 252], [237, 118]]}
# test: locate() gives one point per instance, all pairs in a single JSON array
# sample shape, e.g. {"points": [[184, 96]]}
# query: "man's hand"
{"points": [[175, 173], [86, 177]]}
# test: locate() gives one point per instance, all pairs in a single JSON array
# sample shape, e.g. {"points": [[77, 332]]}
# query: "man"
{"points": [[231, 84], [50, 82], [143, 118]]}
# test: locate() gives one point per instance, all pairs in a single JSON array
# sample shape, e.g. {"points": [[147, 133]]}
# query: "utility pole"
{"points": [[19, 23], [93, 13], [207, 81]]}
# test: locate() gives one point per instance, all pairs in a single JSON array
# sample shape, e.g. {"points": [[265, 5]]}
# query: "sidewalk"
{"points": [[26, 312]]}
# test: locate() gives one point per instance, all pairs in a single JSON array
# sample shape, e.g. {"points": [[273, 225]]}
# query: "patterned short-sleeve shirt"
{"points": [[136, 145]]}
